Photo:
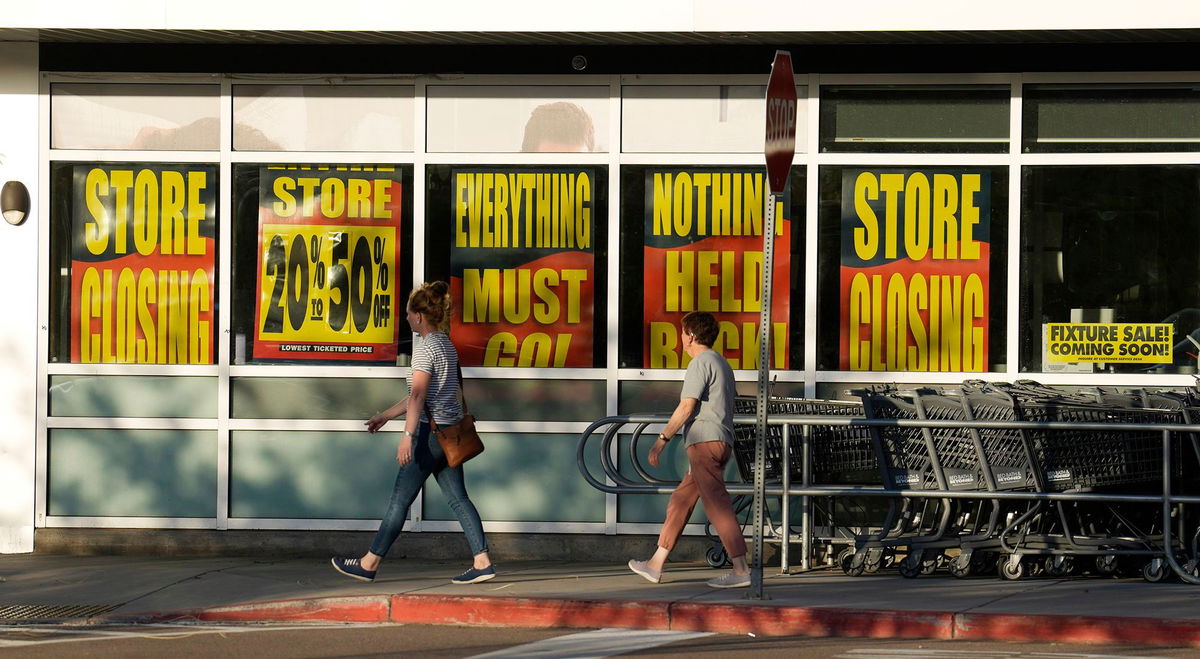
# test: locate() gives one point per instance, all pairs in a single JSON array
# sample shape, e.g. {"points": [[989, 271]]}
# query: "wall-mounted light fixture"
{"points": [[14, 202]]}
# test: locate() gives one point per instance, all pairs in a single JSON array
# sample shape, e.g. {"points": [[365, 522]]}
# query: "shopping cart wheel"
{"points": [[1011, 570], [1156, 570], [1059, 565], [873, 561], [910, 568], [1108, 564], [961, 566], [930, 565], [716, 557], [853, 562]]}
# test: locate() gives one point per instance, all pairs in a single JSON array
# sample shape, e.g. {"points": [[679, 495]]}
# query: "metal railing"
{"points": [[617, 483]]}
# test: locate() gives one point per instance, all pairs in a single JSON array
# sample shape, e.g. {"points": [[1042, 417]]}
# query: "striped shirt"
{"points": [[435, 354]]}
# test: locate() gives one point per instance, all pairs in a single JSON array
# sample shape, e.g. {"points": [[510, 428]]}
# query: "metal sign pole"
{"points": [[764, 383]]}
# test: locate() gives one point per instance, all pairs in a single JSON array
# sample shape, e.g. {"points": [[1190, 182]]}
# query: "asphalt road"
{"points": [[391, 640]]}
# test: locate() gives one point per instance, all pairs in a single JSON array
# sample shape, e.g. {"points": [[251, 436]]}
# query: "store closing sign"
{"points": [[142, 264], [915, 269], [328, 256]]}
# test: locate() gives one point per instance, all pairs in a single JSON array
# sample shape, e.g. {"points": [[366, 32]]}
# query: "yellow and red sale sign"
{"points": [[704, 252], [523, 266], [142, 264], [915, 255], [328, 257]]}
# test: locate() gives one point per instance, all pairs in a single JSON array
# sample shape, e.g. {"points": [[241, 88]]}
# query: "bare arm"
{"points": [[683, 412]]}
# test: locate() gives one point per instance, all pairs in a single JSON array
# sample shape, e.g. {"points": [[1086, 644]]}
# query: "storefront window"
{"points": [[142, 117], [915, 119], [1078, 118], [698, 118], [524, 250], [516, 118], [133, 263], [1110, 274], [691, 240], [322, 263], [323, 117], [911, 269]]}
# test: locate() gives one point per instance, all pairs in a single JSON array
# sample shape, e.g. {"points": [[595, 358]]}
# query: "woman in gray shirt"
{"points": [[705, 413]]}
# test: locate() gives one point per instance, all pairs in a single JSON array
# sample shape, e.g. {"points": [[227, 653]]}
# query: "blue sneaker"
{"points": [[352, 568], [475, 575]]}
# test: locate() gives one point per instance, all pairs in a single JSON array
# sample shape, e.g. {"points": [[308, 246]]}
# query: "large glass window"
{"points": [[912, 269], [133, 256], [524, 250], [322, 263], [915, 119], [1110, 272], [1076, 118], [691, 240]]}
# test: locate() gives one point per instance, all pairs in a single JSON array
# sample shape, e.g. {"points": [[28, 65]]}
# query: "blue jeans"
{"points": [[428, 459]]}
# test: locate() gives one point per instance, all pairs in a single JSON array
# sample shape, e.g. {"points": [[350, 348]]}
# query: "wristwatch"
{"points": [[408, 432], [664, 437]]}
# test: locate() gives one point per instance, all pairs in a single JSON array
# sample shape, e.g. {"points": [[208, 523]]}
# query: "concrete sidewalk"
{"points": [[109, 589]]}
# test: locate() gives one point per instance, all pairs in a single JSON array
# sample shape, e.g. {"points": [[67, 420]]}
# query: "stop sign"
{"points": [[781, 121]]}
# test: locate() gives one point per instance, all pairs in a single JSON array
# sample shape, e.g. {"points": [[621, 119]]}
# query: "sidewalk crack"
{"points": [[189, 578]]}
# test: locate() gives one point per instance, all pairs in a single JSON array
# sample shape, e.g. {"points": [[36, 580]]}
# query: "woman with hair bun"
{"points": [[433, 381]]}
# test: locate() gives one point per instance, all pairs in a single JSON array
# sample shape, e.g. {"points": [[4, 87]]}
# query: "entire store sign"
{"points": [[915, 253], [523, 266], [704, 252], [142, 264], [328, 256]]}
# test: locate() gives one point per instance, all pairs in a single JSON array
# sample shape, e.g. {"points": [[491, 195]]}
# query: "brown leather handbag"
{"points": [[460, 442]]}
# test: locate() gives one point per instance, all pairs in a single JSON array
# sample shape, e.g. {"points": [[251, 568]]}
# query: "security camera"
{"points": [[579, 62]]}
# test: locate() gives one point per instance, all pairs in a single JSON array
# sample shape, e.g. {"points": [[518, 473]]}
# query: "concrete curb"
{"points": [[763, 620]]}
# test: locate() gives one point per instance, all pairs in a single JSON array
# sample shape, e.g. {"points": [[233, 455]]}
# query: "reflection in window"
{"points": [[1111, 245], [323, 117], [512, 119], [134, 116]]}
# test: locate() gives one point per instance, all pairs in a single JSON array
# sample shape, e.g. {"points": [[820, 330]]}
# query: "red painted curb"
{"points": [[810, 621], [763, 620], [1076, 629], [529, 612], [322, 609]]}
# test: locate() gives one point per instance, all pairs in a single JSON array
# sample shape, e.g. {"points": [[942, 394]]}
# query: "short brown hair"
{"points": [[702, 326]]}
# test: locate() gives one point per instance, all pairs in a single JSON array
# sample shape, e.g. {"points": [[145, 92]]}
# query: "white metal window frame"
{"points": [[811, 160]]}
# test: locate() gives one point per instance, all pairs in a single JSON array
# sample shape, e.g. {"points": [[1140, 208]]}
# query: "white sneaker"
{"points": [[642, 568], [730, 580]]}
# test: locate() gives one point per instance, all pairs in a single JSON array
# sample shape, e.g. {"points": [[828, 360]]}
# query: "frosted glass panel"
{"points": [[133, 473], [134, 116], [156, 396], [311, 475], [314, 398], [698, 119], [512, 119], [526, 477], [323, 118]]}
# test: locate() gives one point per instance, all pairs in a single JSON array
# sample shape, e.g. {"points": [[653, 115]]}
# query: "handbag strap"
{"points": [[462, 394]]}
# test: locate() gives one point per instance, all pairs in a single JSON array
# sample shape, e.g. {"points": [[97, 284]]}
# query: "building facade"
{"points": [[229, 205]]}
